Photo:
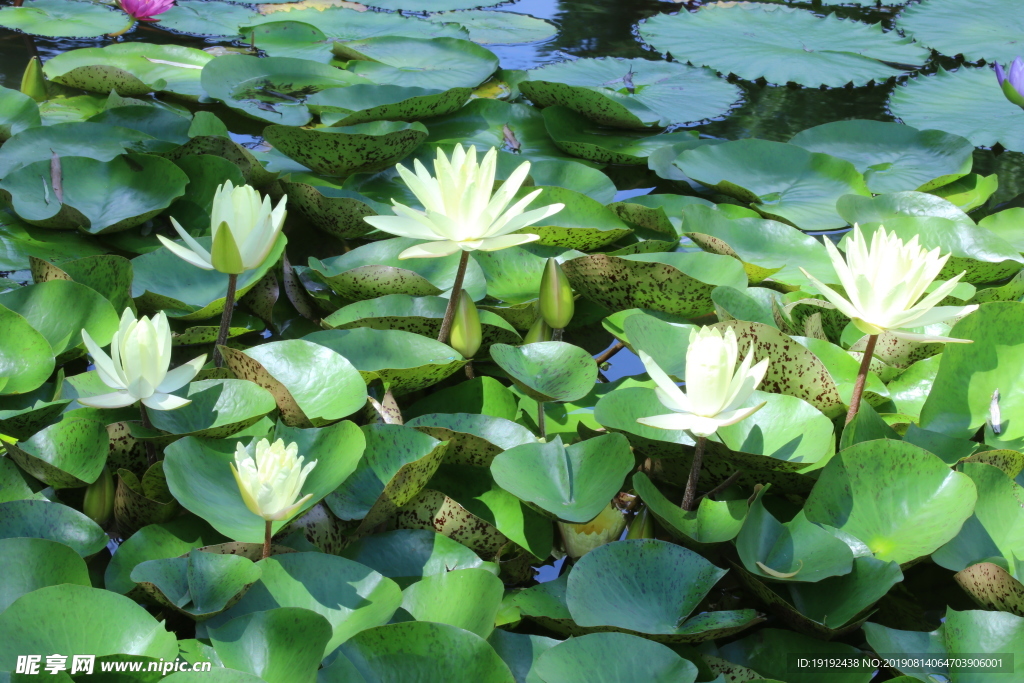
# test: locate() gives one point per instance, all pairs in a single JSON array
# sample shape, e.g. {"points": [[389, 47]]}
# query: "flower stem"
{"points": [[556, 334], [469, 370], [862, 376], [225, 320], [453, 300], [541, 425], [690, 495], [150, 446], [266, 540], [609, 352]]}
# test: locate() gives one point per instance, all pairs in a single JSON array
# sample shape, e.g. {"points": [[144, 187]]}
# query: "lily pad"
{"points": [[966, 102], [26, 357], [466, 598], [359, 103], [61, 19], [131, 69], [337, 212], [583, 223], [206, 18], [496, 27], [768, 652], [631, 93], [403, 360], [714, 521], [97, 141], [475, 439], [439, 63], [98, 196], [891, 156], [200, 478], [312, 385], [783, 44], [68, 454], [548, 371], [342, 150], [53, 522], [407, 555], [780, 181], [273, 89], [156, 542], [17, 112], [219, 408], [199, 584], [290, 641], [610, 657], [37, 563], [988, 32], [917, 503], [60, 310]]}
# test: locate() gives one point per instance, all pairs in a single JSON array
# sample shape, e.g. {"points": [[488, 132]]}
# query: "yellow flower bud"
{"points": [[466, 334]]}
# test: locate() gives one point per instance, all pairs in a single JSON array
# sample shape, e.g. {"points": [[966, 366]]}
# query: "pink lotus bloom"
{"points": [[145, 10]]}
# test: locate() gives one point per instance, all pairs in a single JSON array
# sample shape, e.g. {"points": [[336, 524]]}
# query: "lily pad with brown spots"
{"points": [[992, 587], [473, 439], [344, 150], [335, 211], [199, 584], [68, 454], [145, 501]]}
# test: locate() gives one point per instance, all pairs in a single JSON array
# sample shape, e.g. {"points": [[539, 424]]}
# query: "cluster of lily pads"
{"points": [[354, 473]]}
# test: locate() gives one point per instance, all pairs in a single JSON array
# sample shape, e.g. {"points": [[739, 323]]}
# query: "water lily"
{"points": [[885, 285], [244, 230], [271, 478], [461, 213], [145, 10], [715, 387], [1012, 81], [137, 367]]}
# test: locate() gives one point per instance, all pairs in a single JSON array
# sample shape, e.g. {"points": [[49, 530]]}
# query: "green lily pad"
{"points": [[793, 551], [548, 371], [26, 357], [156, 542], [97, 141], [497, 27], [610, 657], [631, 93], [98, 196], [970, 191], [350, 596], [405, 361], [273, 89], [714, 521], [374, 270], [131, 69], [290, 642], [18, 112], [53, 522], [769, 653], [219, 408], [520, 651], [165, 282], [347, 24], [891, 156], [420, 315], [130, 631], [781, 182], [60, 19], [140, 502], [573, 483], [988, 32], [466, 598], [68, 454], [783, 44], [37, 563], [475, 439], [206, 18], [312, 385], [200, 478], [365, 103], [407, 555], [579, 136], [661, 585], [107, 274], [60, 310], [199, 584], [583, 223], [397, 463], [438, 63], [342, 150], [992, 587], [22, 415], [337, 212], [423, 650], [966, 102], [675, 283], [917, 503]]}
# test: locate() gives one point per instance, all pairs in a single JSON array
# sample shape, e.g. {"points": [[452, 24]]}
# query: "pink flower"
{"points": [[145, 10]]}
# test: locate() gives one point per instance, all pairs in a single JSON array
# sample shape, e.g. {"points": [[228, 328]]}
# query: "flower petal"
{"points": [[185, 254], [161, 401], [430, 250], [181, 375], [117, 399]]}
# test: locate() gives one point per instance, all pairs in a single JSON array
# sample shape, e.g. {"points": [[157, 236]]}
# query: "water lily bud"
{"points": [[98, 504], [540, 332], [556, 302], [145, 10], [244, 230], [270, 479], [33, 82], [466, 334], [1012, 81], [580, 539], [642, 525]]}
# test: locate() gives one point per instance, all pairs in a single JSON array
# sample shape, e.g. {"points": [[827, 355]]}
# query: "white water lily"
{"points": [[461, 213], [270, 481], [244, 231], [885, 285], [715, 387], [137, 367]]}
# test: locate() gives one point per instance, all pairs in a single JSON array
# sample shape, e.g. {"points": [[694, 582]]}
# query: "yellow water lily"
{"points": [[461, 213], [715, 387], [885, 285], [244, 227], [271, 478], [137, 367]]}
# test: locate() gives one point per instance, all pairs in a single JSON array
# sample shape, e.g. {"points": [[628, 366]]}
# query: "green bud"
{"points": [[642, 525], [556, 301], [540, 332], [33, 82], [580, 539], [466, 333], [1012, 93], [98, 504]]}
